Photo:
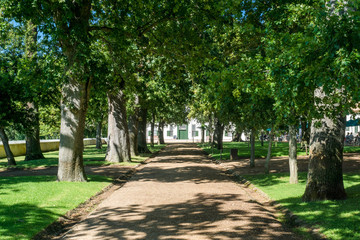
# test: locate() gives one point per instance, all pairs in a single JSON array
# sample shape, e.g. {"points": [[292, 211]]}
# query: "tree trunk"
{"points": [[152, 129], [252, 150], [202, 134], [237, 137], [219, 133], [5, 141], [98, 135], [74, 105], [118, 134], [142, 144], [262, 138], [75, 43], [32, 132], [161, 132], [268, 156], [133, 124], [325, 177], [293, 155]]}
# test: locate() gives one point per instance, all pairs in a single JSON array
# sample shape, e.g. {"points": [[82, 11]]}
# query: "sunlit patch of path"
{"points": [[180, 195]]}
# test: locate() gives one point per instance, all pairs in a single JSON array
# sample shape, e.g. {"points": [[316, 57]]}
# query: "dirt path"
{"points": [[181, 195]]}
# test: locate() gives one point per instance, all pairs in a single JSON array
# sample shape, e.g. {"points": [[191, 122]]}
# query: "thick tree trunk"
{"points": [[219, 133], [142, 144], [325, 177], [268, 156], [252, 150], [152, 129], [133, 124], [118, 134], [32, 132], [161, 132], [74, 105], [98, 135], [5, 141], [75, 43], [293, 155]]}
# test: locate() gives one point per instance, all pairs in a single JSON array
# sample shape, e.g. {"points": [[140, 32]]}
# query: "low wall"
{"points": [[18, 148]]}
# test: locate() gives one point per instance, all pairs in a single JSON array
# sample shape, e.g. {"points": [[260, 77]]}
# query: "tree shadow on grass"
{"points": [[198, 218], [337, 219], [23, 221]]}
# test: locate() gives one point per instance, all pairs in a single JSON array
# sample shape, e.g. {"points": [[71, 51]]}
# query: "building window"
{"points": [[183, 127], [149, 133], [169, 133]]}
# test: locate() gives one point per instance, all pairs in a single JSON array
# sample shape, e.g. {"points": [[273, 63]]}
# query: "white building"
{"points": [[190, 132], [351, 125]]}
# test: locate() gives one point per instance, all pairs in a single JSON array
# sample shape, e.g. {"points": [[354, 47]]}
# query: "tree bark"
{"points": [[32, 132], [133, 124], [268, 156], [5, 141], [219, 133], [118, 134], [152, 129], [325, 177], [74, 105], [252, 150], [161, 132], [262, 138], [202, 134], [75, 43], [98, 135], [293, 155], [142, 144]]}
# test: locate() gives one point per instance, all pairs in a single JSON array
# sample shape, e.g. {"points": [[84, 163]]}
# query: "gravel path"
{"points": [[181, 195]]}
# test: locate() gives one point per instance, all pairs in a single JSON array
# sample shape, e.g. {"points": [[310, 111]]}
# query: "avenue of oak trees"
{"points": [[121, 64]]}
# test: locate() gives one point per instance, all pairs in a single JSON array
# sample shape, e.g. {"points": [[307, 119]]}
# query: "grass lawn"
{"points": [[281, 149], [335, 219], [29, 204], [92, 156]]}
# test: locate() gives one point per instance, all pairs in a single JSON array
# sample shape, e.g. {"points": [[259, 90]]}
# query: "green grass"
{"points": [[29, 204], [335, 219], [281, 149], [92, 156]]}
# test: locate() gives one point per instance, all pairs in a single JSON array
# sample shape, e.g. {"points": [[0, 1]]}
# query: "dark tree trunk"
{"points": [[262, 138], [98, 135], [202, 134], [32, 126], [161, 132], [252, 150], [133, 124], [293, 155], [152, 129], [142, 144], [75, 43], [32, 132], [73, 113], [118, 133], [219, 133], [5, 141], [268, 156], [237, 137], [325, 177]]}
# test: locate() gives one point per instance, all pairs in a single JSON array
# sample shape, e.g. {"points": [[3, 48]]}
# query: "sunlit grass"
{"points": [[335, 219], [92, 156], [29, 204], [278, 149]]}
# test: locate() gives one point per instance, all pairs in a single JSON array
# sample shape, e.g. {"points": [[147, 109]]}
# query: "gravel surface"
{"points": [[181, 194]]}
